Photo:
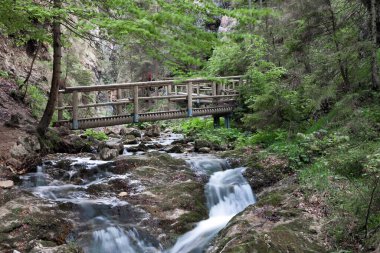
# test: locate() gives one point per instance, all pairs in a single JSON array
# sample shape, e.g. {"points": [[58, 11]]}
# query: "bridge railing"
{"points": [[213, 93]]}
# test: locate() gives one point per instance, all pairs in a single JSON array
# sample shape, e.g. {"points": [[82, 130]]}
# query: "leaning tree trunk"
{"points": [[57, 55], [374, 63]]}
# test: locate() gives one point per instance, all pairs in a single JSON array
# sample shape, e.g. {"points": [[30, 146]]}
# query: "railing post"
{"points": [[136, 104], [227, 121], [216, 121], [119, 108], [75, 110], [168, 93], [60, 105], [190, 99]]}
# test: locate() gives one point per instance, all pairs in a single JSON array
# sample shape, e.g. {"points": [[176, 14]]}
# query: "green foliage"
{"points": [[264, 138], [4, 74], [204, 129], [37, 100], [98, 135]]}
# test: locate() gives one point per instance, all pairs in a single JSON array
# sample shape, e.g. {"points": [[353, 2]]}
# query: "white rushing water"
{"points": [[227, 193]]}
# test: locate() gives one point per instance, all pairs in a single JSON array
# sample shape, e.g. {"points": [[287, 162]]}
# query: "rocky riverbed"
{"points": [[143, 190]]}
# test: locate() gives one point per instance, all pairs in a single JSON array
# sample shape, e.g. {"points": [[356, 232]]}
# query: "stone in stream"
{"points": [[130, 139], [176, 149], [141, 147], [129, 131], [204, 150], [152, 131], [112, 144], [108, 154], [27, 220], [6, 184], [198, 144], [123, 194]]}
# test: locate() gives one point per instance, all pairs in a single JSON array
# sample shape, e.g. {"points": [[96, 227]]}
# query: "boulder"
{"points": [[73, 144], [115, 144], [108, 154], [176, 149], [112, 144], [130, 131], [110, 131], [14, 121], [146, 138], [6, 184], [204, 150], [18, 151], [24, 153], [123, 194], [140, 147], [198, 144], [130, 139], [152, 131]]}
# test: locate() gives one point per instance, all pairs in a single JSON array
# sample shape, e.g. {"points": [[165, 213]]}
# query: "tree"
{"points": [[169, 31], [55, 82], [374, 63]]}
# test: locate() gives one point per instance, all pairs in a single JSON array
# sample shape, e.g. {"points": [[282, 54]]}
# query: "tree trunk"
{"points": [[30, 73], [342, 66], [55, 82], [374, 63]]}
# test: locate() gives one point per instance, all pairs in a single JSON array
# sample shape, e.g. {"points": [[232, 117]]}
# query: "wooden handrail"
{"points": [[193, 91], [141, 84]]}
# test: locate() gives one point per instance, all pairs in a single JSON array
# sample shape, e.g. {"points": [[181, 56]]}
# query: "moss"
{"points": [[273, 199], [47, 243], [290, 237]]}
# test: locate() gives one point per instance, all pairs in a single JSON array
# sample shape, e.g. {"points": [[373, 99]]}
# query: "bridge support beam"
{"points": [[190, 99], [75, 110], [227, 121], [119, 108], [136, 104], [216, 121], [60, 105]]}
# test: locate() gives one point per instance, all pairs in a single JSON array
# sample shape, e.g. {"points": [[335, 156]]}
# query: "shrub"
{"points": [[98, 135]]}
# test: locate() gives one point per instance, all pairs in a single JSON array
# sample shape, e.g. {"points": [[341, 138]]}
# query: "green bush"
{"points": [[98, 135], [37, 100], [4, 74]]}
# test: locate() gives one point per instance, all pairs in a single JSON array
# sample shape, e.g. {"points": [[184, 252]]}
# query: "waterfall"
{"points": [[108, 224], [227, 193]]}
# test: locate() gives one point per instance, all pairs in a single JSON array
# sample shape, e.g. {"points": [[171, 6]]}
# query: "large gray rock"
{"points": [[130, 139], [204, 150], [108, 154], [18, 151], [176, 149], [153, 131], [198, 144], [6, 184], [130, 131], [112, 144], [140, 147], [25, 146]]}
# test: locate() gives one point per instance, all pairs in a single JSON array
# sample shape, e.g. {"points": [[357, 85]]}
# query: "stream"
{"points": [[106, 223]]}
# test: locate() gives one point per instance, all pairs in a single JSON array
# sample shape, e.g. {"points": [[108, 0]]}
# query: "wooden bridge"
{"points": [[192, 98]]}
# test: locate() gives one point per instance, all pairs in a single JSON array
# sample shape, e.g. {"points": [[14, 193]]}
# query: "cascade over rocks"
{"points": [[27, 221], [283, 220]]}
